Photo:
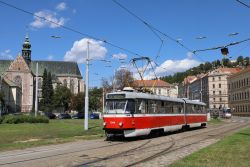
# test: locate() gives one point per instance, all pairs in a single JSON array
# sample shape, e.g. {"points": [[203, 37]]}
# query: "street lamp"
{"points": [[87, 90]]}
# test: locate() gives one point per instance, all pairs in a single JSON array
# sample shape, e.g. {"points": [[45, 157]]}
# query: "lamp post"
{"points": [[36, 98], [87, 90]]}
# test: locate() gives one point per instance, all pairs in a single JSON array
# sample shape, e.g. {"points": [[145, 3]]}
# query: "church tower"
{"points": [[26, 52]]}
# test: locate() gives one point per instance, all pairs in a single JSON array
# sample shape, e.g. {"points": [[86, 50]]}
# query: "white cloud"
{"points": [[50, 57], [6, 54], [61, 6], [78, 52], [48, 15], [119, 56], [172, 66]]}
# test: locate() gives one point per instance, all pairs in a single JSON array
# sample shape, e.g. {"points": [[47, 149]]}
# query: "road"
{"points": [[158, 151]]}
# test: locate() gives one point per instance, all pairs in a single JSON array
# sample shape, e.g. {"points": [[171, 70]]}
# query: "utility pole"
{"points": [[36, 98], [87, 90], [103, 98], [201, 89]]}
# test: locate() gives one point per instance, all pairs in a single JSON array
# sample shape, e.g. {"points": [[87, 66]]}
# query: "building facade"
{"points": [[239, 92], [158, 87], [218, 87], [210, 88], [12, 96], [22, 72]]}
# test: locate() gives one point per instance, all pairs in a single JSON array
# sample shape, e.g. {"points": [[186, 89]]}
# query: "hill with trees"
{"points": [[206, 67]]}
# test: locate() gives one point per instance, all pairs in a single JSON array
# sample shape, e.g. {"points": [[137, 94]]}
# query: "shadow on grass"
{"points": [[245, 134]]}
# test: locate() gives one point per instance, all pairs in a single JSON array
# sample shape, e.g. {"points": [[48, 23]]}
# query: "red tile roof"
{"points": [[150, 83], [229, 70], [246, 70]]}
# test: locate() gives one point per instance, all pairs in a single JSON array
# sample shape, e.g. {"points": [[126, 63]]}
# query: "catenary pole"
{"points": [[87, 90], [36, 98]]}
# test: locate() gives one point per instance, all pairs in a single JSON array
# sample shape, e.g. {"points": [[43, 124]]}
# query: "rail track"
{"points": [[132, 150]]}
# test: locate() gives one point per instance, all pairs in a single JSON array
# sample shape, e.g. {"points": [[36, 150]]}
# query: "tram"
{"points": [[131, 114]]}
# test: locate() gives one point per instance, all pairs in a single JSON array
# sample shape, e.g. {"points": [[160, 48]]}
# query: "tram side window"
{"points": [[141, 106], [169, 107], [152, 107], [161, 107], [178, 108], [188, 108], [130, 106]]}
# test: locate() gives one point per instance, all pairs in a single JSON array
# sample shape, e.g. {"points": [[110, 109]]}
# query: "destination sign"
{"points": [[116, 96]]}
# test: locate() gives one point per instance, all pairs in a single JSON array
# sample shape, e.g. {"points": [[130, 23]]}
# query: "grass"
{"points": [[232, 151], [215, 121], [19, 136]]}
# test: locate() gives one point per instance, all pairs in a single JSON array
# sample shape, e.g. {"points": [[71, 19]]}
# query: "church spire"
{"points": [[26, 52]]}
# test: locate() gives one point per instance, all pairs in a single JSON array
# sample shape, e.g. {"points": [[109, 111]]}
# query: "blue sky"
{"points": [[181, 19]]}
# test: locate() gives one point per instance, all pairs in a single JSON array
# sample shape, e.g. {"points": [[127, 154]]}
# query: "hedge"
{"points": [[15, 119]]}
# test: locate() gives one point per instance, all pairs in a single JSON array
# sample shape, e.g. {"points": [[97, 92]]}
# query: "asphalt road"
{"points": [[158, 151]]}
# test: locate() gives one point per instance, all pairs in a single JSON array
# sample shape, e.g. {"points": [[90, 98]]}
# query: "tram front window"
{"points": [[115, 106]]}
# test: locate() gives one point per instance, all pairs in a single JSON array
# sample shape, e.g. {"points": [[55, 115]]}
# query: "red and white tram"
{"points": [[133, 114]]}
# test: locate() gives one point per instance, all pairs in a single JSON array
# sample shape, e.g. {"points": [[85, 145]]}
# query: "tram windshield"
{"points": [[119, 106]]}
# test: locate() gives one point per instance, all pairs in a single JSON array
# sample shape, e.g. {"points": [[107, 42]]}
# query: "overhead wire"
{"points": [[69, 28], [154, 30], [246, 5], [145, 23]]}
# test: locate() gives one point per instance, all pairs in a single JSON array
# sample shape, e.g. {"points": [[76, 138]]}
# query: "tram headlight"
{"points": [[120, 124], [104, 123]]}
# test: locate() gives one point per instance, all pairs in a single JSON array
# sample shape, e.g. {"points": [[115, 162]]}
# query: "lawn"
{"points": [[215, 121], [232, 151], [18, 136]]}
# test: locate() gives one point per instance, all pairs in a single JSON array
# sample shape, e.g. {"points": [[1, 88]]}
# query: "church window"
{"points": [[18, 81], [72, 85], [65, 82]]}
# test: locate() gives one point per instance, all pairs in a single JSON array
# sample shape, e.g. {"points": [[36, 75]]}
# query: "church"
{"points": [[18, 79]]}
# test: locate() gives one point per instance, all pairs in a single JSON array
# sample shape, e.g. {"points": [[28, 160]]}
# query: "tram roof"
{"points": [[140, 95]]}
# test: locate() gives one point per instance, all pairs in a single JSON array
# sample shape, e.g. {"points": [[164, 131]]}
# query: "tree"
{"points": [[240, 60], [123, 78], [62, 97], [78, 102], [226, 62], [246, 61], [1, 97], [95, 98], [207, 66], [107, 84], [50, 87], [47, 92]]}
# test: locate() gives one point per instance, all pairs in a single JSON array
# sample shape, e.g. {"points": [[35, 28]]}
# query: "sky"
{"points": [[104, 20]]}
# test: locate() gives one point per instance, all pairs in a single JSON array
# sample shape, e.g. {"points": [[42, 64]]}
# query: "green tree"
{"points": [[207, 66], [77, 102], [50, 87], [240, 60], [226, 62], [95, 99], [47, 92], [246, 61], [1, 97], [62, 97]]}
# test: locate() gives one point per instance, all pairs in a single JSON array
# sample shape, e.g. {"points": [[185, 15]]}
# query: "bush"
{"points": [[1, 119], [15, 119]]}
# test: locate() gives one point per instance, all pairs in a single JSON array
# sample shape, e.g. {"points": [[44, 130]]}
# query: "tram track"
{"points": [[170, 150], [171, 143], [137, 149]]}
